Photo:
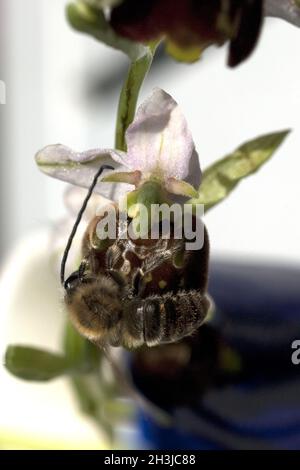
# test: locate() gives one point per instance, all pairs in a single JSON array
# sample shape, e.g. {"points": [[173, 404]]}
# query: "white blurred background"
{"points": [[62, 87]]}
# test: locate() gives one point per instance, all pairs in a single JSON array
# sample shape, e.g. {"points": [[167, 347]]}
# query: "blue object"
{"points": [[260, 318]]}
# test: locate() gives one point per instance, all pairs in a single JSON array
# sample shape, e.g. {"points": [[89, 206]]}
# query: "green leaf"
{"points": [[89, 394], [222, 177], [103, 3], [91, 20], [81, 353], [35, 364], [91, 400]]}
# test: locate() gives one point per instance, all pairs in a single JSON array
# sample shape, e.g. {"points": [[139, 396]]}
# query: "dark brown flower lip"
{"points": [[250, 25], [190, 23]]}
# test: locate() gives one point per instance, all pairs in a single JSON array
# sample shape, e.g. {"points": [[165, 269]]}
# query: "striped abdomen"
{"points": [[166, 318]]}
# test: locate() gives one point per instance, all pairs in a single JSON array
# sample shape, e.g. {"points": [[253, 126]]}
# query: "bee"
{"points": [[136, 292]]}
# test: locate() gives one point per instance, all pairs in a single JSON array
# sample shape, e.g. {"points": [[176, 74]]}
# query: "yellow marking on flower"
{"points": [[178, 259], [162, 284], [161, 143], [148, 277], [184, 54]]}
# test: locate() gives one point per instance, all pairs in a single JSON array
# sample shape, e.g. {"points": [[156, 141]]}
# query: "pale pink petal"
{"points": [[159, 141], [79, 168], [74, 197]]}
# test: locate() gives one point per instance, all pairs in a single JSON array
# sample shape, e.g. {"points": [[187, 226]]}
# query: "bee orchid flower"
{"points": [[186, 27], [160, 162], [190, 26]]}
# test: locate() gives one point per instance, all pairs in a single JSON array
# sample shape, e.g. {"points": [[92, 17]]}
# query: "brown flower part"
{"points": [[190, 26]]}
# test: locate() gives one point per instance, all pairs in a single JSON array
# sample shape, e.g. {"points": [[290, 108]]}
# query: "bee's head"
{"points": [[94, 306]]}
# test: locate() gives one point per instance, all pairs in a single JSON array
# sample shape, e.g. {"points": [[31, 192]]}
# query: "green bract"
{"points": [[103, 3], [35, 364], [222, 177], [91, 20], [79, 357]]}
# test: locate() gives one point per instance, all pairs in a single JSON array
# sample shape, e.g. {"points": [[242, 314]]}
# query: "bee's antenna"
{"points": [[78, 219]]}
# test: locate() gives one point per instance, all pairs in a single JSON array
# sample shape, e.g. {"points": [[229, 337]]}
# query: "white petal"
{"points": [[74, 197], [79, 168], [285, 9], [159, 140]]}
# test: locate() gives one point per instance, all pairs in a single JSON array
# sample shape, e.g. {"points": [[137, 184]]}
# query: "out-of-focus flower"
{"points": [[160, 150], [187, 26], [190, 26]]}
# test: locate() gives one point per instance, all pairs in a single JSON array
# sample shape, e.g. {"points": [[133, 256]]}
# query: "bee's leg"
{"points": [[112, 256], [170, 317], [118, 277], [139, 285], [82, 269]]}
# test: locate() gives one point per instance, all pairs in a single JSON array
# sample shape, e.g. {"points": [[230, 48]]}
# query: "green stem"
{"points": [[91, 398], [129, 95]]}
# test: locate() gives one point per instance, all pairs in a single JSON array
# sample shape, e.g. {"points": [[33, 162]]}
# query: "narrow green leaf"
{"points": [[90, 401], [91, 20], [88, 398], [103, 3], [222, 177], [81, 353], [35, 364]]}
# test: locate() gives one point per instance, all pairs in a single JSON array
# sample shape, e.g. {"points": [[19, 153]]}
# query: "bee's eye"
{"points": [[77, 277], [72, 281]]}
